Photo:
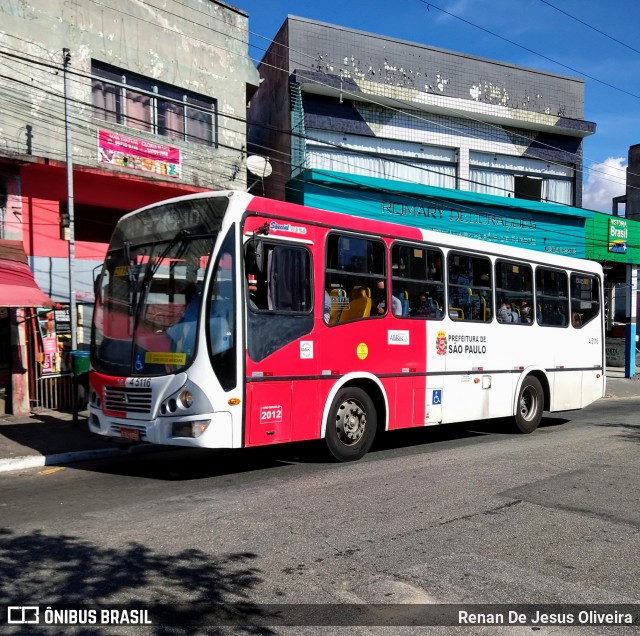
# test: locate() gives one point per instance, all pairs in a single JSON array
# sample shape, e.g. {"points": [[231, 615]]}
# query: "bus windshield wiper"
{"points": [[153, 266], [131, 277]]}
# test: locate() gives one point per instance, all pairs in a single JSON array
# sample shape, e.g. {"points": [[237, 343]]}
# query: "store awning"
{"points": [[18, 288]]}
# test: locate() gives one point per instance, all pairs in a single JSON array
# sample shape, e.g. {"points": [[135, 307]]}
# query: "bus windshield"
{"points": [[150, 290]]}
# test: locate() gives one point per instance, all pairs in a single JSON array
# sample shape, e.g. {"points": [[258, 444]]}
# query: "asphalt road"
{"points": [[471, 514]]}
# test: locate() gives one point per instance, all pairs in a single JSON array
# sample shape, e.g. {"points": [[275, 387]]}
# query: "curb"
{"points": [[37, 461]]}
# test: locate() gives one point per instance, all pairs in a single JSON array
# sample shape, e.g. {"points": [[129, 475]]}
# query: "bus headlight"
{"points": [[189, 429], [186, 399]]}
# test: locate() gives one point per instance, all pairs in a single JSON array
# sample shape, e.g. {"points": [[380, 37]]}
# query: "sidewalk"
{"points": [[52, 438], [49, 438]]}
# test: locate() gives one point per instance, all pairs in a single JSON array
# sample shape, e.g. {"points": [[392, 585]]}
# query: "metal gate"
{"points": [[46, 390]]}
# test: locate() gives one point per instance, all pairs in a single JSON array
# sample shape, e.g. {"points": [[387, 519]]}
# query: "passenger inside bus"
{"points": [[252, 286], [504, 313], [426, 308], [380, 301], [327, 306], [183, 332]]}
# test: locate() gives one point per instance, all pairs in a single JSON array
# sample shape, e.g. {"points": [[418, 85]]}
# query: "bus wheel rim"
{"points": [[528, 404], [351, 422]]}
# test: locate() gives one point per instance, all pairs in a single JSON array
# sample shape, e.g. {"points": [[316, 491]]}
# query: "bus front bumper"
{"points": [[211, 430]]}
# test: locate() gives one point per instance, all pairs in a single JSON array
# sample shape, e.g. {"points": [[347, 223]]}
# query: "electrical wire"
{"points": [[360, 97], [590, 26], [253, 122]]}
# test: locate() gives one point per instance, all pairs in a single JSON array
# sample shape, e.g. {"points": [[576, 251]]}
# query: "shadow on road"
{"points": [[630, 432], [45, 570], [193, 464]]}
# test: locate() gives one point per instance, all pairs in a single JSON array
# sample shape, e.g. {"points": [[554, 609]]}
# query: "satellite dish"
{"points": [[259, 166]]}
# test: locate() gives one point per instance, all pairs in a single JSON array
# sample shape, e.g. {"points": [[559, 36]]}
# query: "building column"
{"points": [[630, 327], [20, 404], [463, 168]]}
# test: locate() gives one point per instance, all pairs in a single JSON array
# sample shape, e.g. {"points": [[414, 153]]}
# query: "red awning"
{"points": [[18, 288]]}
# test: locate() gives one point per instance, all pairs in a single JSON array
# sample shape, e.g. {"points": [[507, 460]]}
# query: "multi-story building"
{"points": [[107, 107], [364, 104], [370, 125]]}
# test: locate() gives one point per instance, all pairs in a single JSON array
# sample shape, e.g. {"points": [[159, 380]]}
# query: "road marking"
{"points": [[49, 471]]}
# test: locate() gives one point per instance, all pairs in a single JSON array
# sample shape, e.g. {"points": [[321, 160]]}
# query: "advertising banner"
{"points": [[138, 154], [618, 235]]}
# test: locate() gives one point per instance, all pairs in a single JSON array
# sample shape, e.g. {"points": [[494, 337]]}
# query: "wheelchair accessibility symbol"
{"points": [[139, 363], [437, 396]]}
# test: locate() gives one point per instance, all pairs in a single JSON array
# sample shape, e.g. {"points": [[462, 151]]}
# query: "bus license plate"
{"points": [[141, 383], [132, 434]]}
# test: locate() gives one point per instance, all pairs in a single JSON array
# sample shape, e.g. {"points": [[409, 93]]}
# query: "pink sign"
{"points": [[138, 154], [50, 351], [50, 345]]}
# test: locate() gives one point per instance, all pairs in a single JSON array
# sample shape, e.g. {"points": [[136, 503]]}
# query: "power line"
{"points": [[307, 138], [357, 96], [226, 33], [590, 26], [525, 48]]}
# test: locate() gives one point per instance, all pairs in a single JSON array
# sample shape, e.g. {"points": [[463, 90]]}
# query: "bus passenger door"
{"points": [[279, 345]]}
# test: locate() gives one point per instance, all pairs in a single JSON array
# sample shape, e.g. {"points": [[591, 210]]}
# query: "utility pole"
{"points": [[66, 55]]}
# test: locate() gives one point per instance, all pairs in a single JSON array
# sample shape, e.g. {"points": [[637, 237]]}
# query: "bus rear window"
{"points": [[585, 299]]}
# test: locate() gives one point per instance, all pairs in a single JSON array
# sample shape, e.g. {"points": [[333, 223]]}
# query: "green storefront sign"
{"points": [[611, 238], [618, 235]]}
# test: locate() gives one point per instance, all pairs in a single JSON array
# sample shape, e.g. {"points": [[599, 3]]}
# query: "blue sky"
{"points": [[597, 41]]}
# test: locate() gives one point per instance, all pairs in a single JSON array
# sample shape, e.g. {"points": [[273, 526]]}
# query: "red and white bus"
{"points": [[225, 320]]}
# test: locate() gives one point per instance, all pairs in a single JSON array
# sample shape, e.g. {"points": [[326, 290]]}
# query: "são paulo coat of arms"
{"points": [[441, 343]]}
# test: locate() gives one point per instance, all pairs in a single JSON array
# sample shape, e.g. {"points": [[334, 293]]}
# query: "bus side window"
{"points": [[280, 280], [355, 274], [278, 296], [552, 295], [221, 315], [470, 289], [514, 293], [416, 280]]}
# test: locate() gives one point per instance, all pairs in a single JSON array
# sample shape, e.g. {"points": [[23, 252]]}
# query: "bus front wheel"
{"points": [[351, 426], [529, 406]]}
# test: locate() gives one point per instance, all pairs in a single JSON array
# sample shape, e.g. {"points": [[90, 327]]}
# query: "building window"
{"points": [[520, 177], [144, 104]]}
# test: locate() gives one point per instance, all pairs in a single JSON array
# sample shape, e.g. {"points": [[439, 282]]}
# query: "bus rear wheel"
{"points": [[529, 406], [351, 426]]}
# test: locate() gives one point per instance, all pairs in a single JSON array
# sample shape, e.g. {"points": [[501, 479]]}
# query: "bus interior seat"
{"points": [[456, 313], [359, 304], [338, 304]]}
